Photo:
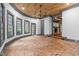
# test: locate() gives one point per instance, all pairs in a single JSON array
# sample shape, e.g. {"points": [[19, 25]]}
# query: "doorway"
{"points": [[42, 27], [33, 29], [57, 23]]}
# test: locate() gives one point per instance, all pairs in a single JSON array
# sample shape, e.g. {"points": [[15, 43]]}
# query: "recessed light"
{"points": [[23, 8]]}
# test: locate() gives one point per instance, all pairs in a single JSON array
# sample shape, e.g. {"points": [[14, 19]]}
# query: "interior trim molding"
{"points": [[35, 28]]}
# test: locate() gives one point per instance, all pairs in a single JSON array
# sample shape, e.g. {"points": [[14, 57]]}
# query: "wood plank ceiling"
{"points": [[39, 10]]}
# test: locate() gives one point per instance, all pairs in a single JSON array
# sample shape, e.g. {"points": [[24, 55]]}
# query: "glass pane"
{"points": [[26, 27], [10, 25], [18, 26]]}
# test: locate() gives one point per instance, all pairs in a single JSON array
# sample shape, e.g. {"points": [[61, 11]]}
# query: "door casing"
{"points": [[34, 29]]}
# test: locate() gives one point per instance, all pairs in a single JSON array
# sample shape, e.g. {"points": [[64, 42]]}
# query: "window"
{"points": [[26, 27], [18, 26], [2, 24], [10, 25]]}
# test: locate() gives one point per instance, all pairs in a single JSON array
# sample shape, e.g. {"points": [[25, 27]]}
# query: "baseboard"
{"points": [[67, 39], [38, 34], [17, 39], [48, 35]]}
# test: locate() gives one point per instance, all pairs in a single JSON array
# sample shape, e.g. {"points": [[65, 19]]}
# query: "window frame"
{"points": [[17, 18], [8, 12], [25, 21], [3, 20]]}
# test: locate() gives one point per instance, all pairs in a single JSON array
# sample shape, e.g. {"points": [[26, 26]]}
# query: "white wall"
{"points": [[47, 25], [70, 23]]}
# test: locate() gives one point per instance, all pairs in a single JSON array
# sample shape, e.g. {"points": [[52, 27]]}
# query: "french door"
{"points": [[33, 29]]}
